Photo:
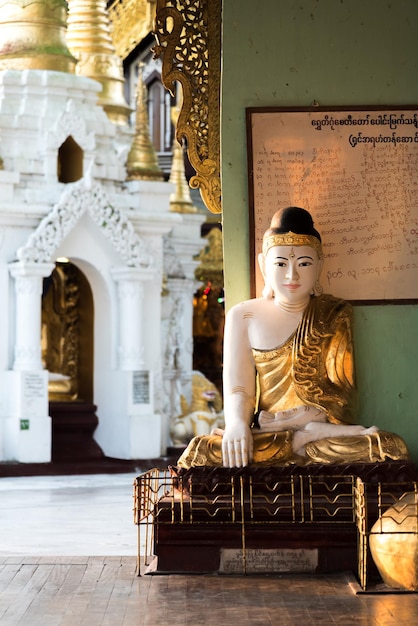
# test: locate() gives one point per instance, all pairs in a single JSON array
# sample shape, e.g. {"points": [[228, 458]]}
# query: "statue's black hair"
{"points": [[293, 219]]}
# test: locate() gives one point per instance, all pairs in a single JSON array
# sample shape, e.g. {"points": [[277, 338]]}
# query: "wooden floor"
{"points": [[93, 591]]}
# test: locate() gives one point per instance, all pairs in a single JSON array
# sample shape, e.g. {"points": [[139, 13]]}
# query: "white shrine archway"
{"points": [[98, 238]]}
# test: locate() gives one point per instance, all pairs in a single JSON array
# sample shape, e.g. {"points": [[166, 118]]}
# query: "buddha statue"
{"points": [[288, 379]]}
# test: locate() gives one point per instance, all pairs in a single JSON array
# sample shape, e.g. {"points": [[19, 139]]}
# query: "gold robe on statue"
{"points": [[315, 367]]}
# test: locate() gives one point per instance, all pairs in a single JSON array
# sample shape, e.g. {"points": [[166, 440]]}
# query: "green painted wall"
{"points": [[337, 52]]}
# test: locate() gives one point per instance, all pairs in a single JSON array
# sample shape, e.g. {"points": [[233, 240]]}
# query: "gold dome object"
{"points": [[32, 36], [394, 544], [90, 41], [180, 200], [142, 162]]}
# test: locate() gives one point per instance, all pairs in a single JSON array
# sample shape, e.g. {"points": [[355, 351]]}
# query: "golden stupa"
{"points": [[180, 199], [142, 161], [32, 36], [90, 41]]}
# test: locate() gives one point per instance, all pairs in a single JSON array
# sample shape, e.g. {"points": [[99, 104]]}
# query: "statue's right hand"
{"points": [[237, 445]]}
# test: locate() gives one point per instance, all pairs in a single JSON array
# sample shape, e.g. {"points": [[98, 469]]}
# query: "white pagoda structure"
{"points": [[96, 267]]}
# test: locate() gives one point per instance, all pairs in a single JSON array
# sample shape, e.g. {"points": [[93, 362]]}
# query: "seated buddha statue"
{"points": [[288, 379]]}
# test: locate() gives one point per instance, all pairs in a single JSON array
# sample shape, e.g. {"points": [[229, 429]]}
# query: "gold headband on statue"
{"points": [[292, 239]]}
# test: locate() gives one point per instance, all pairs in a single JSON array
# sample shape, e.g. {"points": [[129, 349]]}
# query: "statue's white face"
{"points": [[292, 272]]}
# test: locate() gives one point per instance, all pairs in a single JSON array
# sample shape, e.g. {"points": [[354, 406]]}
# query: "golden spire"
{"points": [[32, 36], [180, 200], [142, 163], [89, 40]]}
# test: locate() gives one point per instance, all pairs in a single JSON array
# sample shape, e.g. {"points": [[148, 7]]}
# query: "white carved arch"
{"points": [[79, 198], [69, 123]]}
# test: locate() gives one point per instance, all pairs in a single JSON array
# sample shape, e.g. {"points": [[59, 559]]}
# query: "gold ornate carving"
{"points": [[67, 334], [60, 332], [188, 40], [132, 21], [292, 239]]}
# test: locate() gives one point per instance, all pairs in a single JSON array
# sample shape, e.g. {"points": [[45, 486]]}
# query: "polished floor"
{"points": [[67, 558], [67, 515]]}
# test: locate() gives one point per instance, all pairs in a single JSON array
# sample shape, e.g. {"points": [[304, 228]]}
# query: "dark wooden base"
{"points": [[73, 426], [181, 549], [191, 531]]}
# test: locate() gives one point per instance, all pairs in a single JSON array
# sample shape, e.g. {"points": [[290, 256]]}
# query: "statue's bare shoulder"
{"points": [[249, 308]]}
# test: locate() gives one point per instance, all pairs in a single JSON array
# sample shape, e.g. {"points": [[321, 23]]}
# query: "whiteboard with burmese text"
{"points": [[356, 171]]}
